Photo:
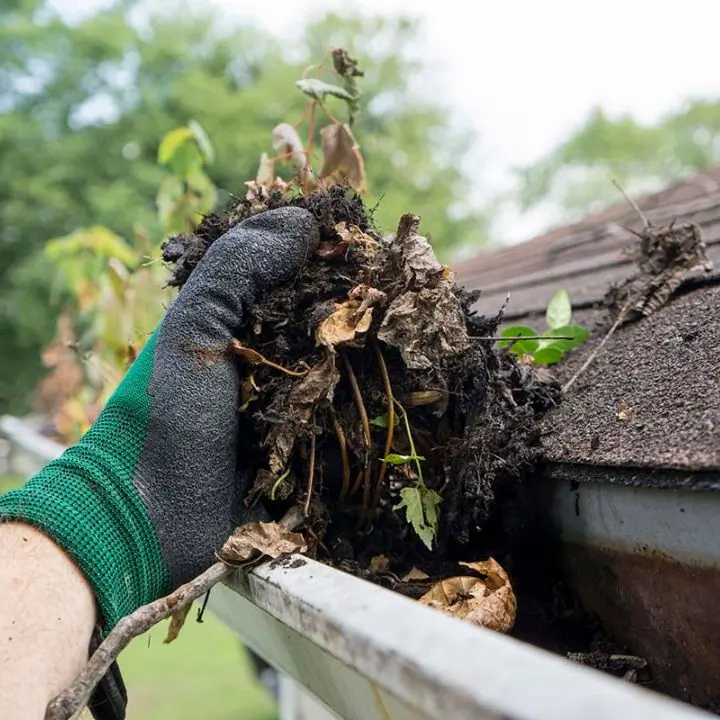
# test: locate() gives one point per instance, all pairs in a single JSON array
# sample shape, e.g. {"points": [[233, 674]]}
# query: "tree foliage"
{"points": [[578, 174], [84, 105]]}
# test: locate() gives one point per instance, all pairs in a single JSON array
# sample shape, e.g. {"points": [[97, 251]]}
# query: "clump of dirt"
{"points": [[373, 395]]}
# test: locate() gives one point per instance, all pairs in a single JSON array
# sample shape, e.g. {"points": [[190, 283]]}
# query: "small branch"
{"points": [[515, 338], [255, 358], [620, 318], [633, 204], [311, 472], [76, 697], [344, 457], [391, 421]]}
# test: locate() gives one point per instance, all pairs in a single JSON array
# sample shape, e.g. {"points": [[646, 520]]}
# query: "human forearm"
{"points": [[47, 615]]}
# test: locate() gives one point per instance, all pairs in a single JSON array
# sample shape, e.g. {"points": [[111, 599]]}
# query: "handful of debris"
{"points": [[373, 395]]}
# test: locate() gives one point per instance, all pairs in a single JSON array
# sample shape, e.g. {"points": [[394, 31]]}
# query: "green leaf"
{"points": [[578, 333], [519, 347], [381, 421], [548, 356], [203, 141], [186, 161], [395, 459], [318, 89], [559, 310], [420, 505], [172, 141]]}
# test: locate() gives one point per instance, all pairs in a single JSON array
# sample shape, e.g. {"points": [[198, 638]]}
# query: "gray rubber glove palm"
{"points": [[150, 493]]}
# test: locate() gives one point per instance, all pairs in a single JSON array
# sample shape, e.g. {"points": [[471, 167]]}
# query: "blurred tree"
{"points": [[84, 104], [578, 173]]}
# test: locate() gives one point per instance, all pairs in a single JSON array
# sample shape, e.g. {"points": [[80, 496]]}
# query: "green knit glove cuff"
{"points": [[86, 501]]}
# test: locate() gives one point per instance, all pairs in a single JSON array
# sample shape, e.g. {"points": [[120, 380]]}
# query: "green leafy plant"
{"points": [[418, 500], [549, 346]]}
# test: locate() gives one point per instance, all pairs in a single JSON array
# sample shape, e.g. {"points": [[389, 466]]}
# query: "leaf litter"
{"points": [[369, 402]]}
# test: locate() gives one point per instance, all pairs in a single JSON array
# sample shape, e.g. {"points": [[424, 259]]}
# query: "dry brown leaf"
{"points": [[342, 161], [177, 620], [623, 412], [489, 601], [415, 574], [350, 318], [425, 397], [248, 354], [254, 539], [266, 171], [379, 563], [286, 140]]}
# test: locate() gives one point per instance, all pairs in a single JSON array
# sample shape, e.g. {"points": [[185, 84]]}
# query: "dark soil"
{"points": [[478, 431]]}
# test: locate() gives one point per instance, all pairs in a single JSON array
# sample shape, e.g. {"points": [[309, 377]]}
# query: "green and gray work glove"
{"points": [[144, 500]]}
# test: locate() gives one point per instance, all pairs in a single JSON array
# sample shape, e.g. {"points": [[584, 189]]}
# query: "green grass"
{"points": [[205, 673]]}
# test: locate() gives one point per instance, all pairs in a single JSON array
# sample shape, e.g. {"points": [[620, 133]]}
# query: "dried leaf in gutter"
{"points": [[342, 160], [254, 539], [488, 601]]}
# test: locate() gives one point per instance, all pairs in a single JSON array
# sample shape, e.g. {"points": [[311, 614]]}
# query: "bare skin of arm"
{"points": [[47, 615]]}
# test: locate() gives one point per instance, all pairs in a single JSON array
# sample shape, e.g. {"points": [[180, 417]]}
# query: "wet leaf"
{"points": [[254, 539], [428, 327], [177, 620], [318, 89], [344, 324], [286, 140], [172, 142], [559, 310], [342, 161], [489, 601], [266, 171], [425, 397], [379, 563], [548, 356], [420, 505]]}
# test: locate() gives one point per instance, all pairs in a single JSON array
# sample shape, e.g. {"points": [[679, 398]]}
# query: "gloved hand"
{"points": [[149, 494]]}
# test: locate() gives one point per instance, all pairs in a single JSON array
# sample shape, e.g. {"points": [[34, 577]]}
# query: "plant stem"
{"points": [[276, 484], [391, 421], [342, 441], [413, 453], [311, 472]]}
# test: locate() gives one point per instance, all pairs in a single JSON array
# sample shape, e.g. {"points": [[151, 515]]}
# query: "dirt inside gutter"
{"points": [[474, 415]]}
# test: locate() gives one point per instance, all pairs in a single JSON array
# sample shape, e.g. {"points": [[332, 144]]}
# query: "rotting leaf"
{"points": [[177, 620], [420, 505], [489, 601], [379, 563], [425, 397], [342, 161], [417, 257], [254, 539], [426, 326]]}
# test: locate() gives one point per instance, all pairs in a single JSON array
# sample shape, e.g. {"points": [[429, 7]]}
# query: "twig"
{"points": [[634, 205], [621, 316], [515, 338], [311, 472], [255, 358], [344, 457], [390, 419], [76, 697]]}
